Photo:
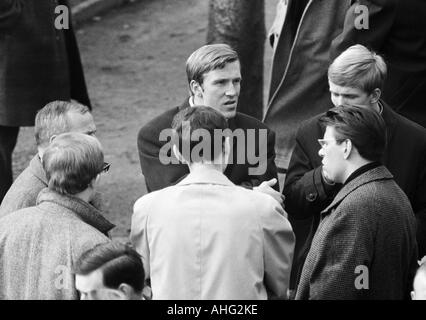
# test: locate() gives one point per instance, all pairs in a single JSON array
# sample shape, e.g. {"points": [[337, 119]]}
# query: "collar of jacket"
{"points": [[206, 176], [231, 122], [390, 119], [375, 174], [37, 170], [83, 210]]}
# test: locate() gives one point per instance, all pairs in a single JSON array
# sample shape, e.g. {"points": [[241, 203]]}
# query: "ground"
{"points": [[134, 61]]}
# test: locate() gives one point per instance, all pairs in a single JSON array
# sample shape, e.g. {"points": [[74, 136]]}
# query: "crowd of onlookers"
{"points": [[349, 223]]}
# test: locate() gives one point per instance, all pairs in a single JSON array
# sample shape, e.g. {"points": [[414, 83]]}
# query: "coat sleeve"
{"points": [[270, 167], [138, 234], [381, 16], [278, 245], [344, 255], [10, 10], [157, 175], [304, 189], [419, 208]]}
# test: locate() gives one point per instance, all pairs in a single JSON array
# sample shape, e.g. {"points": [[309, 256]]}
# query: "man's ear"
{"points": [[375, 96], [348, 149], [52, 138], [126, 290], [196, 89], [178, 155]]}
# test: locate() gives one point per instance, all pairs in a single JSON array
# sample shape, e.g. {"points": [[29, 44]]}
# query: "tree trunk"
{"points": [[241, 24]]}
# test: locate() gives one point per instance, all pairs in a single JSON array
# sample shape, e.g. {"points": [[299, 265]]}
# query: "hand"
{"points": [[266, 187]]}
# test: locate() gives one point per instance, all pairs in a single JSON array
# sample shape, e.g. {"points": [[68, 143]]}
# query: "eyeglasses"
{"points": [[324, 142], [105, 167]]}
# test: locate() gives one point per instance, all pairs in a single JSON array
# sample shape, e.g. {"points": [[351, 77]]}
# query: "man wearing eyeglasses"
{"points": [[55, 118], [356, 77], [39, 245], [365, 245]]}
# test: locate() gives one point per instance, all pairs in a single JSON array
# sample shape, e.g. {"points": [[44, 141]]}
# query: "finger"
{"points": [[271, 182]]}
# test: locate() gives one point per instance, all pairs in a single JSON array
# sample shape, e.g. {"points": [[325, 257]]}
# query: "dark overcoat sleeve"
{"points": [[271, 168], [381, 16], [305, 191], [158, 175], [10, 11]]}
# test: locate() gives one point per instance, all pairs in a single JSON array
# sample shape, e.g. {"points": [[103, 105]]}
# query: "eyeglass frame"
{"points": [[322, 142], [105, 167]]}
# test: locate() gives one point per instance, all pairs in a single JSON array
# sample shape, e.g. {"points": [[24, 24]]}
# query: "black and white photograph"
{"points": [[221, 156]]}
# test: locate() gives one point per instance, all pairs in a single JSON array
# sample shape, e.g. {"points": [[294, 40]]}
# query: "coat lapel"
{"points": [[379, 173]]}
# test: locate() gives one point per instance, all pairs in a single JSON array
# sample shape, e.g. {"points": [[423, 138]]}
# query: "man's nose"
{"points": [[339, 101], [231, 89], [321, 152]]}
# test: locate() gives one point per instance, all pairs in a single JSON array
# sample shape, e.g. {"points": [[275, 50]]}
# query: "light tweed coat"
{"points": [[40, 245], [369, 223]]}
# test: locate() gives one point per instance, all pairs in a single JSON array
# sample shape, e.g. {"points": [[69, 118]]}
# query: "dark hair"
{"points": [[118, 262], [195, 124], [363, 126]]}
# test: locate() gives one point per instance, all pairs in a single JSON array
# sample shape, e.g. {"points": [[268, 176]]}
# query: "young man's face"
{"points": [[348, 96], [332, 153], [220, 89]]}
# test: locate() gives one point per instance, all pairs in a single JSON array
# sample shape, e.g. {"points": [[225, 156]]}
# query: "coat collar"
{"points": [[36, 168], [390, 119], [206, 176], [83, 210], [378, 173]]}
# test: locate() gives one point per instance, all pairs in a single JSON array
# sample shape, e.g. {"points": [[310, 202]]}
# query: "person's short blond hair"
{"points": [[207, 58], [358, 67], [72, 161]]}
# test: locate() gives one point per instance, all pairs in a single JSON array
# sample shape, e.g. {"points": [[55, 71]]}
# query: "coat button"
{"points": [[311, 197]]}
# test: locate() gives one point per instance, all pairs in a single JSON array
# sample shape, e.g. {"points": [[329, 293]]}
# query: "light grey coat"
{"points": [[40, 245]]}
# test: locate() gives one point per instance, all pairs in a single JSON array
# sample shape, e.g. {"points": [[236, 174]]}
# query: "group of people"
{"points": [[349, 223]]}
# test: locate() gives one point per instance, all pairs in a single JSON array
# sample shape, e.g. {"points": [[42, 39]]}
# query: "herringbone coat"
{"points": [[368, 230]]}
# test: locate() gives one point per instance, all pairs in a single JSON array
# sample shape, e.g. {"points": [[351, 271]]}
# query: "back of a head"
{"points": [[72, 161], [363, 126], [199, 126], [52, 120], [207, 58], [118, 262], [358, 67]]}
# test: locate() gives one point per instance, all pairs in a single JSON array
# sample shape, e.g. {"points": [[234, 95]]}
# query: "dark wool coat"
{"points": [[299, 88], [369, 226], [158, 175], [38, 63]]}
